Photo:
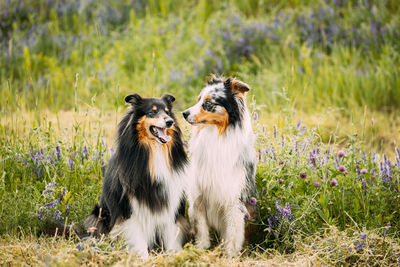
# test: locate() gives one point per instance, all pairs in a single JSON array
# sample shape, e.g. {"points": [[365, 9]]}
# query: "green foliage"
{"points": [[305, 186], [60, 178]]}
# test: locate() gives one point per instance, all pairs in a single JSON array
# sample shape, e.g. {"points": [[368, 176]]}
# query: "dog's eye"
{"points": [[208, 105], [153, 113]]}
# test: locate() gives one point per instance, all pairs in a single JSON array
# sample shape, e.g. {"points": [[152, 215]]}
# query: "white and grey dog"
{"points": [[223, 163]]}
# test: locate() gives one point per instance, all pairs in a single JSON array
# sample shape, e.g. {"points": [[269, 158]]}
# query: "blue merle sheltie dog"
{"points": [[142, 198], [223, 163]]}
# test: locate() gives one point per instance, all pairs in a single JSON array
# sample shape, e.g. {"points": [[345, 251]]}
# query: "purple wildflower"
{"points": [[312, 158], [70, 163], [66, 213], [252, 201], [382, 172], [275, 131], [342, 168], [85, 153], [281, 181], [57, 217], [270, 225], [303, 129], [58, 152], [317, 184], [286, 211], [247, 216], [363, 236], [333, 182], [47, 191], [32, 155], [303, 175], [255, 117], [79, 246], [298, 125], [364, 171], [398, 158], [341, 153], [51, 204], [360, 246], [389, 170], [40, 216], [373, 157]]}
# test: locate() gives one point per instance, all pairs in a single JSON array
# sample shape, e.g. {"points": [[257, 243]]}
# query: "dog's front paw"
{"points": [[176, 248], [232, 249], [203, 244]]}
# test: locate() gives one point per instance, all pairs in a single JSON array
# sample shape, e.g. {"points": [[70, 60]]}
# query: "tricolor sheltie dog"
{"points": [[223, 163], [142, 198]]}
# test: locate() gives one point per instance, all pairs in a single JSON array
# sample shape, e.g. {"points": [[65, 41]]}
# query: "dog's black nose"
{"points": [[186, 114], [169, 122]]}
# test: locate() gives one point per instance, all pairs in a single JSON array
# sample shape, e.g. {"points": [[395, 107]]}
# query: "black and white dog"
{"points": [[223, 163], [142, 198]]}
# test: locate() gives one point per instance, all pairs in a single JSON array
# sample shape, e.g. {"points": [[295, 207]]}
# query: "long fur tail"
{"points": [[67, 231], [98, 222]]}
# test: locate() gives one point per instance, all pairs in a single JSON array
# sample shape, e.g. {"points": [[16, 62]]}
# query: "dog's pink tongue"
{"points": [[163, 135]]}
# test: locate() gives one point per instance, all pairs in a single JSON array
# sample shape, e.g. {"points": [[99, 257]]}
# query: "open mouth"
{"points": [[160, 134]]}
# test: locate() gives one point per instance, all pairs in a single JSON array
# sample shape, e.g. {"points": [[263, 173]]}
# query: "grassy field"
{"points": [[325, 104]]}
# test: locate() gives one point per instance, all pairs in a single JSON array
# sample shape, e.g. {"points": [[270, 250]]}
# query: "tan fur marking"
{"points": [[239, 88], [166, 109], [154, 108], [220, 120], [146, 138], [167, 147]]}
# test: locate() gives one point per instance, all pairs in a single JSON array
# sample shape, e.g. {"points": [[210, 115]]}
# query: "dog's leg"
{"points": [[135, 238], [233, 233], [171, 237], [198, 216]]}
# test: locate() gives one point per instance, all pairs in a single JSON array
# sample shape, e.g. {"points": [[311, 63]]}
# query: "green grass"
{"points": [[326, 249]]}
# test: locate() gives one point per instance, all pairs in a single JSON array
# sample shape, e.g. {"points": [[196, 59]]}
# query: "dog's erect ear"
{"points": [[133, 99], [168, 98], [238, 88]]}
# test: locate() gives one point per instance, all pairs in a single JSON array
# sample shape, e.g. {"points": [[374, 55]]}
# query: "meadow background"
{"points": [[325, 104]]}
